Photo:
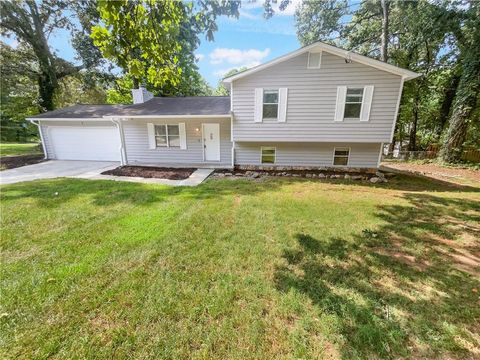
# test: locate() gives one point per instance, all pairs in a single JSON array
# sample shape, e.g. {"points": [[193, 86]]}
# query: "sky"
{"points": [[247, 41]]}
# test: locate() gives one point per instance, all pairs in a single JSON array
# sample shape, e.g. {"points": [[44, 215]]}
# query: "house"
{"points": [[319, 106]]}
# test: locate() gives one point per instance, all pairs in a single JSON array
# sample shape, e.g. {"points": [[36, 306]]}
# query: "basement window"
{"points": [[340, 156], [268, 155]]}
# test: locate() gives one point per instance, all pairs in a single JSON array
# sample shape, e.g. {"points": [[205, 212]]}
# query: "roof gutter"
{"points": [[217, 116]]}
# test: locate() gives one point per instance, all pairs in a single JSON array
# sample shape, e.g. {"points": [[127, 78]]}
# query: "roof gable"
{"points": [[320, 46]]}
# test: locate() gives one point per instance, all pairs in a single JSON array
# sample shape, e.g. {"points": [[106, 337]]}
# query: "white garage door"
{"points": [[85, 143]]}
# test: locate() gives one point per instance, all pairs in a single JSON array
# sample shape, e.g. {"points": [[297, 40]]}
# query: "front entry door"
{"points": [[211, 142]]}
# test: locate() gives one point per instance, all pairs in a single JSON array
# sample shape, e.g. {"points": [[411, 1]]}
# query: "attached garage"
{"points": [[101, 143], [93, 140]]}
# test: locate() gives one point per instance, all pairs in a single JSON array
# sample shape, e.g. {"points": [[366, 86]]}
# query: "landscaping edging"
{"points": [[376, 177]]}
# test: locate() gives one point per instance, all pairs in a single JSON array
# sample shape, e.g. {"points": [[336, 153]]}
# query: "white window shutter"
{"points": [[258, 115], [340, 108], [282, 104], [151, 136], [366, 103], [183, 136]]}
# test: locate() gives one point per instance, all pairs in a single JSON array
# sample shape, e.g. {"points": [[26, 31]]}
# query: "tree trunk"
{"points": [[46, 89], [468, 92], [447, 102], [412, 144], [136, 83], [384, 38]]}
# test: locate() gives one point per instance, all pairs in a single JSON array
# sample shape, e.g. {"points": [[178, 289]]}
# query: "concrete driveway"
{"points": [[54, 169]]}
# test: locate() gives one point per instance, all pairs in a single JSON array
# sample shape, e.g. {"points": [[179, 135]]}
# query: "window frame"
{"points": [[350, 102], [341, 148], [309, 66], [274, 154], [264, 103], [167, 136]]}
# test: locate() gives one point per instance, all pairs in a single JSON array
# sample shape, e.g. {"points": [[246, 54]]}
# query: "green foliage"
{"points": [[154, 41], [141, 38], [221, 90]]}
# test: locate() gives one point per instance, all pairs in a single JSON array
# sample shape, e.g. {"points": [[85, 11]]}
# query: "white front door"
{"points": [[211, 142]]}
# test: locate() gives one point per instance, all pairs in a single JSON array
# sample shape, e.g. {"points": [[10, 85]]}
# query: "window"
{"points": [[167, 136], [353, 103], [270, 104], [268, 155], [314, 60], [340, 156]]}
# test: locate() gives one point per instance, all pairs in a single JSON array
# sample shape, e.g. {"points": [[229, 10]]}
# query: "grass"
{"points": [[236, 269], [11, 149]]}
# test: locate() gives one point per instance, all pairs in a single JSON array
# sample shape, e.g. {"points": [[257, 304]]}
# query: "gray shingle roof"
{"points": [[80, 112], [194, 105]]}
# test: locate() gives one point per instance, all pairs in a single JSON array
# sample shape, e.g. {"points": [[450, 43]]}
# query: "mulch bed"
{"points": [[151, 172], [12, 162]]}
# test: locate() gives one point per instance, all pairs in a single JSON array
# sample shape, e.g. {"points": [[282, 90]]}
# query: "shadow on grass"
{"points": [[52, 193], [408, 288]]}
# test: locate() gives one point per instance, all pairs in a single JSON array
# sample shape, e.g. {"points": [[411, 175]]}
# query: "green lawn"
{"points": [[238, 269], [8, 149]]}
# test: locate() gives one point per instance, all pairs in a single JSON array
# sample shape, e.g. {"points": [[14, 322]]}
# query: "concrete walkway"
{"points": [[55, 169], [89, 170], [197, 177]]}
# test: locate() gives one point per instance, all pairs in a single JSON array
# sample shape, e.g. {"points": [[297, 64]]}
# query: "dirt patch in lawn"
{"points": [[151, 172], [12, 162], [455, 175]]}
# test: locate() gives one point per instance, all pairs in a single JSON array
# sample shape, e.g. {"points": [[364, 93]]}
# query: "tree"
{"points": [[31, 22], [467, 34], [153, 41], [221, 90], [19, 92]]}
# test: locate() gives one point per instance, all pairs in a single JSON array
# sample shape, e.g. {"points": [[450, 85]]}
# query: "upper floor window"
{"points": [[353, 103], [270, 104], [167, 135]]}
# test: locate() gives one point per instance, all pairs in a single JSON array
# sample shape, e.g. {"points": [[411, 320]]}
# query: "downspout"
{"points": [[231, 125], [231, 139], [123, 153], [41, 138]]}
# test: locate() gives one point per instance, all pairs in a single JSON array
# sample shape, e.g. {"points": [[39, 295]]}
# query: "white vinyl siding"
{"points": [[138, 152], [308, 154], [312, 102]]}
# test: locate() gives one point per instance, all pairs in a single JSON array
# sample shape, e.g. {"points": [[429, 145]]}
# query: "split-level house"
{"points": [[319, 106]]}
